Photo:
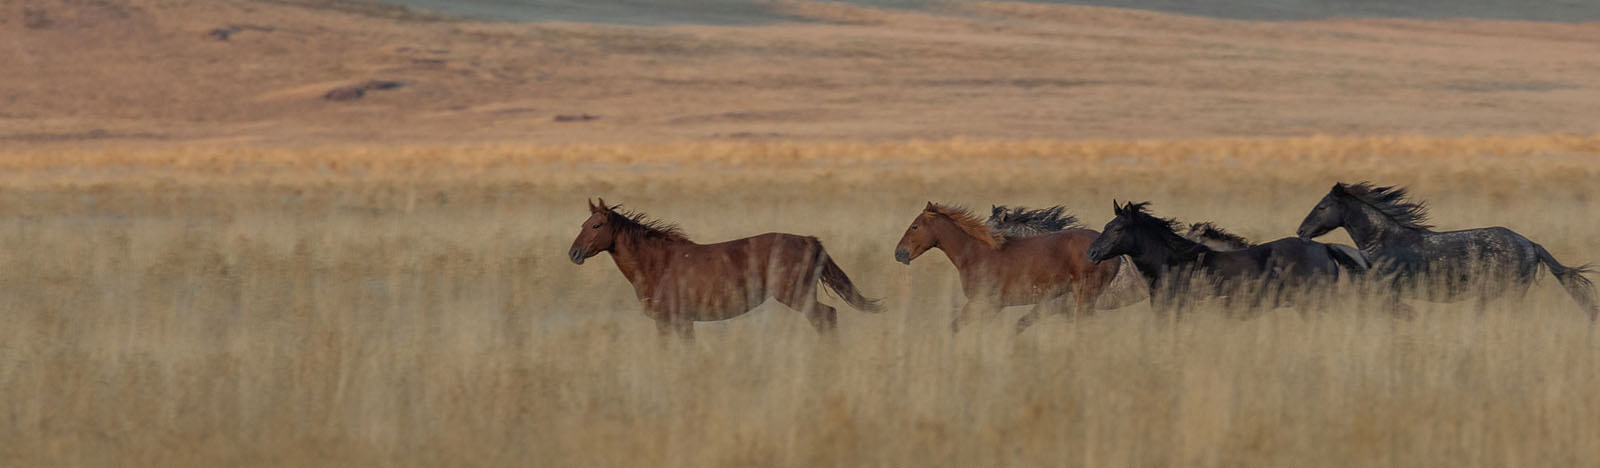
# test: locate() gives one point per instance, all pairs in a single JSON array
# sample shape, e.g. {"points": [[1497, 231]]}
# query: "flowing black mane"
{"points": [[1208, 230], [640, 224], [1023, 222], [1165, 228], [1392, 202]]}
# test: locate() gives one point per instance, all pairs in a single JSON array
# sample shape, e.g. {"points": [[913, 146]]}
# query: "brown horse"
{"points": [[680, 282], [997, 271]]}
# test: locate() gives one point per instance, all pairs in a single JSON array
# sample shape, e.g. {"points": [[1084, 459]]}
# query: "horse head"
{"points": [[918, 237], [1326, 216], [597, 234]]}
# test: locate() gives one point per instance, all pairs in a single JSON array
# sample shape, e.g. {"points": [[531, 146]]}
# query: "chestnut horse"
{"points": [[997, 271], [680, 282]]}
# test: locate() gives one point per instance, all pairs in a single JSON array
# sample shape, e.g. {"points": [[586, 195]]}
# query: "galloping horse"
{"points": [[680, 282], [1178, 269], [1208, 234], [997, 271], [1126, 288], [1438, 266]]}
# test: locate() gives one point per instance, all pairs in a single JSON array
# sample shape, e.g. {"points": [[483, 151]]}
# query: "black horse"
{"points": [[1273, 274], [1437, 266]]}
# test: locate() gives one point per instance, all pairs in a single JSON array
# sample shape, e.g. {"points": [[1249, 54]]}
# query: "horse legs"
{"points": [[682, 327], [663, 329], [973, 306], [823, 317], [685, 329], [1399, 308], [1086, 292], [1046, 305]]}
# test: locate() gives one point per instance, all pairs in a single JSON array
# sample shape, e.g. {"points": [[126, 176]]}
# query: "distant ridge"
{"points": [[744, 12]]}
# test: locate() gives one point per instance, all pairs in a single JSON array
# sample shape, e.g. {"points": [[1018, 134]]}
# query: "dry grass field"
{"points": [[203, 262], [365, 305]]}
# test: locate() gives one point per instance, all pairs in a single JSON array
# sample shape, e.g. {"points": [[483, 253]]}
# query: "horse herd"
{"points": [[1044, 258]]}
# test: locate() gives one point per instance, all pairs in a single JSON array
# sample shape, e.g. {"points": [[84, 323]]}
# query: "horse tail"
{"points": [[1349, 258], [840, 283], [1581, 289]]}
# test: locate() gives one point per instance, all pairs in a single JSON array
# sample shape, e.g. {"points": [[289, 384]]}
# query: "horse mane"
{"points": [[1023, 222], [1165, 228], [969, 224], [641, 225], [1209, 230], [1392, 202]]}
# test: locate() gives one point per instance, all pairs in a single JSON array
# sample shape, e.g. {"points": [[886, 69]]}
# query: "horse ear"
{"points": [[1338, 187], [1116, 208], [592, 208], [603, 206], [930, 207]]}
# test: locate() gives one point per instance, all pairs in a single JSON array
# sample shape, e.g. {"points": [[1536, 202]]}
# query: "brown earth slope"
{"points": [[147, 70]]}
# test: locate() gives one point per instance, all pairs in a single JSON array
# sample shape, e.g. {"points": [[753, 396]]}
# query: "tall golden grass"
{"points": [[370, 306]]}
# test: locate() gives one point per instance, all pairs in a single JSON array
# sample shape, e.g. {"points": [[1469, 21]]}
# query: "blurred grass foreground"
{"points": [[198, 305]]}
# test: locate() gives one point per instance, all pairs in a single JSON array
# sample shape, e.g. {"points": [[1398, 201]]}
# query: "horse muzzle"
{"points": [[902, 256], [1095, 256], [577, 256]]}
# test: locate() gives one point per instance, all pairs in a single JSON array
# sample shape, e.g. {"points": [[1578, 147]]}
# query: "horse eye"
{"points": [[913, 227], [597, 225]]}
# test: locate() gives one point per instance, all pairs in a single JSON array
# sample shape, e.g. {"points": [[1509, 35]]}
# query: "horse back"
{"points": [[723, 280], [761, 256], [1289, 255], [1070, 246], [1472, 251]]}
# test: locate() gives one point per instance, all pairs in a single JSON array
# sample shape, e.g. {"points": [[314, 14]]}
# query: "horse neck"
{"points": [[961, 247], [640, 258], [1370, 228], [1158, 255]]}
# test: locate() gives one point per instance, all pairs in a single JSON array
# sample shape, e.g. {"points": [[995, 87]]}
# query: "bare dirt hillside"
{"points": [[151, 70]]}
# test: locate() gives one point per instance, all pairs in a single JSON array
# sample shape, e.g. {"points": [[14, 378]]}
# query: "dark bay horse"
{"points": [[1208, 234], [997, 271], [1216, 238], [1177, 269], [680, 282], [1448, 266]]}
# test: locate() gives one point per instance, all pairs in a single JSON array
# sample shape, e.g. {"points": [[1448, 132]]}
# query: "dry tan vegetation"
{"points": [[202, 263], [412, 306], [143, 70]]}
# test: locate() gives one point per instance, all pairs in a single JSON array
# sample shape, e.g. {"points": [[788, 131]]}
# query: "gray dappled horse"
{"points": [[1451, 266]]}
